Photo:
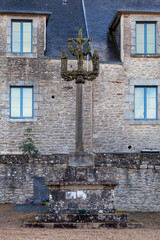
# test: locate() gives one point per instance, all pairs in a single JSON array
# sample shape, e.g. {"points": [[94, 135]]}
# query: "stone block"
{"points": [[81, 160], [70, 174], [91, 174], [81, 174], [71, 195]]}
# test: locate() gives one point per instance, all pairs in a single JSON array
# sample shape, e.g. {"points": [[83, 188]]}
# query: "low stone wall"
{"points": [[138, 176]]}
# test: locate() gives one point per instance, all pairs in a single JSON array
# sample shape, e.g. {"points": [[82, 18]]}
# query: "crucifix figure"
{"points": [[80, 75], [78, 51]]}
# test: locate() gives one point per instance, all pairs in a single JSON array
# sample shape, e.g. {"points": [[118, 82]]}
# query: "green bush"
{"points": [[28, 147]]}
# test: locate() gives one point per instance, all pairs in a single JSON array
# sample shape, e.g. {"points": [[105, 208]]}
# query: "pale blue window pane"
{"points": [[27, 36], [140, 48], [27, 27], [151, 92], [16, 47], [151, 28], [16, 26], [27, 92], [16, 36], [151, 102], [139, 113], [139, 102], [26, 47], [27, 102], [140, 38], [151, 113], [150, 39], [27, 112], [139, 92], [151, 48], [15, 102], [140, 28]]}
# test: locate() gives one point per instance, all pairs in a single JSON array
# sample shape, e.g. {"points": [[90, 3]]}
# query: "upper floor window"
{"points": [[145, 38], [21, 102], [145, 103], [21, 36]]}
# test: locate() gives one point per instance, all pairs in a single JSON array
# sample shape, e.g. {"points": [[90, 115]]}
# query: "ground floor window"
{"points": [[145, 103], [21, 102]]}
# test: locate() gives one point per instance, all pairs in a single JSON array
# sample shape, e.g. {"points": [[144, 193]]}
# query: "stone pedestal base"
{"points": [[81, 159], [92, 198]]}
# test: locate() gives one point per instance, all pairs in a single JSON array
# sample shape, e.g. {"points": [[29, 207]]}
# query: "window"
{"points": [[21, 102], [21, 37], [145, 103], [145, 38]]}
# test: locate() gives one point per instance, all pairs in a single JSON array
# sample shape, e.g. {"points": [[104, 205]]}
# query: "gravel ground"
{"points": [[11, 228]]}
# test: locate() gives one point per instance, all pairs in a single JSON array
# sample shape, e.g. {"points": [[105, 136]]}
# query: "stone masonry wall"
{"points": [[109, 124], [138, 176], [114, 127]]}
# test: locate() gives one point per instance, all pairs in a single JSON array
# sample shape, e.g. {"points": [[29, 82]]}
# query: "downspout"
{"points": [[85, 19]]}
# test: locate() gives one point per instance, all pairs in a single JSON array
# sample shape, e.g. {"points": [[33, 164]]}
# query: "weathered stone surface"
{"points": [[91, 200], [81, 174], [82, 217], [81, 160], [69, 225]]}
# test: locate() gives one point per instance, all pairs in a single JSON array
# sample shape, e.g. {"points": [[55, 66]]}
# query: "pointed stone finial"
{"points": [[95, 60], [64, 59], [64, 54]]}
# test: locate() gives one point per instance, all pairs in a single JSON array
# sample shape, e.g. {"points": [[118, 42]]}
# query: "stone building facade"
{"points": [[109, 101]]}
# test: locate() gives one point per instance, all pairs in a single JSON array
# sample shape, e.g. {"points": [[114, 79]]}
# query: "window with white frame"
{"points": [[21, 102], [145, 103], [21, 36], [145, 38]]}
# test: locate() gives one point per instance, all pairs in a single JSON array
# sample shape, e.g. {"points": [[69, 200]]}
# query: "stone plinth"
{"points": [[83, 186], [93, 198], [81, 159]]}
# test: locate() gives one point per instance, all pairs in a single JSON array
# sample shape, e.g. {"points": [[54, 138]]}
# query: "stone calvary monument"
{"points": [[82, 186], [80, 75]]}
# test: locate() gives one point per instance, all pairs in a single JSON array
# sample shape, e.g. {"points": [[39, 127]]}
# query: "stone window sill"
{"points": [[145, 55], [144, 122], [22, 120], [21, 55]]}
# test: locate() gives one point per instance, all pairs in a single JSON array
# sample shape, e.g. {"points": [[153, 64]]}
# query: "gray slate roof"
{"points": [[63, 24], [143, 5], [26, 6], [65, 20]]}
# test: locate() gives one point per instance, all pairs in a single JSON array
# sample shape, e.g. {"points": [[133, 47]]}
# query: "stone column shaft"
{"points": [[79, 118]]}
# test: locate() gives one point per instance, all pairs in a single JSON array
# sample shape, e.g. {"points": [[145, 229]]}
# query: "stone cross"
{"points": [[80, 75]]}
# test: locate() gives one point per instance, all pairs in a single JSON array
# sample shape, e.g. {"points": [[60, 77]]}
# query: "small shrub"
{"points": [[28, 147]]}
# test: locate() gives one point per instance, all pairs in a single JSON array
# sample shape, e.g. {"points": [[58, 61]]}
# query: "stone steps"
{"points": [[82, 218], [65, 225], [86, 221]]}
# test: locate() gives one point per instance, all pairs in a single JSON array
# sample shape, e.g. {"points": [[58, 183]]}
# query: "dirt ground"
{"points": [[11, 228]]}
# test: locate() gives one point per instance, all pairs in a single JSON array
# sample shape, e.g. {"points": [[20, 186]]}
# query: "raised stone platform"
{"points": [[110, 220]]}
